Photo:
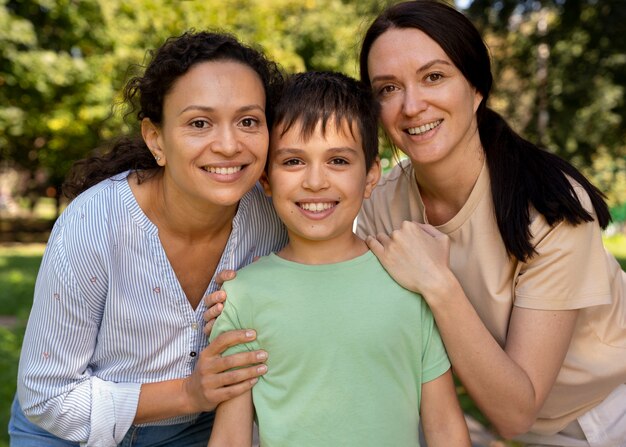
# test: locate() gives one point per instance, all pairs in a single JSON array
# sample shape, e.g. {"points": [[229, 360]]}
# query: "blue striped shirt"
{"points": [[109, 313]]}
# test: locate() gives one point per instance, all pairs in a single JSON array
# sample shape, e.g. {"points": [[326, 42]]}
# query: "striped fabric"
{"points": [[110, 314]]}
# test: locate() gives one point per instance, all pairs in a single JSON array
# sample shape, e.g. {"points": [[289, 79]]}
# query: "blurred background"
{"points": [[559, 65]]}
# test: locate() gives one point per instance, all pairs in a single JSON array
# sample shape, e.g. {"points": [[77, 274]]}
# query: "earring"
{"points": [[157, 158]]}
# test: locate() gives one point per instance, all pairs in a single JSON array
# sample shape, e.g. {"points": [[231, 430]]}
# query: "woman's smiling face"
{"points": [[214, 138], [428, 108]]}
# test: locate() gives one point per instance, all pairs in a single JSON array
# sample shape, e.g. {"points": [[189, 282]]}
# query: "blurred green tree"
{"points": [[560, 68], [63, 63]]}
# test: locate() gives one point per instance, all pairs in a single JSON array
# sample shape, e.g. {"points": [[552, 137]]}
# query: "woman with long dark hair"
{"points": [[502, 238]]}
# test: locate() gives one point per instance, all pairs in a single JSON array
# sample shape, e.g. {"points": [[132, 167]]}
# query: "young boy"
{"points": [[354, 357]]}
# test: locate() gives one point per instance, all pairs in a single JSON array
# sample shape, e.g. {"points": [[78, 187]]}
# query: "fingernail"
{"points": [[253, 381], [249, 334], [261, 355], [261, 369]]}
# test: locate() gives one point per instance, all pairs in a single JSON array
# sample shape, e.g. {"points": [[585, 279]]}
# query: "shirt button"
{"points": [[192, 353], [194, 326]]}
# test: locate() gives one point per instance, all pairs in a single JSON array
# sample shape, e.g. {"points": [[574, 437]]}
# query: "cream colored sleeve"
{"points": [[570, 268]]}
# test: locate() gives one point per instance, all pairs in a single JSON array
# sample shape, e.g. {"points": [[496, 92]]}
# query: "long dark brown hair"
{"points": [[522, 174]]}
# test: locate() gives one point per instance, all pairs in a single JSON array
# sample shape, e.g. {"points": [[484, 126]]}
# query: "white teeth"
{"points": [[425, 128], [222, 171], [316, 207]]}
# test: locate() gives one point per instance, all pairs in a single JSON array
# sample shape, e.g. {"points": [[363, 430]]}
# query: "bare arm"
{"points": [[211, 382], [442, 418], [233, 423], [509, 385]]}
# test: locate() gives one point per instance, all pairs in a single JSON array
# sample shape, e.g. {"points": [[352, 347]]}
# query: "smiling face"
{"points": [[428, 108], [213, 139], [317, 185]]}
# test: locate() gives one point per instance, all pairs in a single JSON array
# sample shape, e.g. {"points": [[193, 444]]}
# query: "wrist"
{"points": [[443, 291], [188, 403]]}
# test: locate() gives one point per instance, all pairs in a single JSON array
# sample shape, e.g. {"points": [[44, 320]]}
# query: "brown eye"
{"points": [[386, 89], [249, 122], [200, 124], [434, 77], [292, 162], [339, 161]]}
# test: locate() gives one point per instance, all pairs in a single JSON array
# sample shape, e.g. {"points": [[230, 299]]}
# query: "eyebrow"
{"points": [[297, 151], [243, 109], [424, 67]]}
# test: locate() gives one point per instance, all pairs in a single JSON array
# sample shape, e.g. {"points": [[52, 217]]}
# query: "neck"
{"points": [[306, 251], [183, 218], [445, 186]]}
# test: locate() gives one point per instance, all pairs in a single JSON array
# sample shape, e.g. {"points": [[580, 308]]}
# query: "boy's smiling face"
{"points": [[318, 184]]}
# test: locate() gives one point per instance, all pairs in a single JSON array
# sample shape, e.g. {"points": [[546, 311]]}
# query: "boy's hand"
{"points": [[215, 301]]}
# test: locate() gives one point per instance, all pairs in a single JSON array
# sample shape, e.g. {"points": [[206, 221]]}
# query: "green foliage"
{"points": [[560, 69], [63, 65]]}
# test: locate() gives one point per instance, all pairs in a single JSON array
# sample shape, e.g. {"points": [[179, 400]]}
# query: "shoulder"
{"points": [[581, 195], [93, 218], [256, 273], [257, 212], [399, 177], [390, 203], [256, 201], [95, 200]]}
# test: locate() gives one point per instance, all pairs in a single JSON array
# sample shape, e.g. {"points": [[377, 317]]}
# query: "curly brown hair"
{"points": [[144, 96]]}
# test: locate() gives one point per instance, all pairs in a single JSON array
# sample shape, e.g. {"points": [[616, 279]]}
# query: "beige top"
{"points": [[571, 270]]}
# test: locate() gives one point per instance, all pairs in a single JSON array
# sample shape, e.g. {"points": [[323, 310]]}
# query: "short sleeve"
{"points": [[435, 360], [230, 319], [364, 226], [569, 270]]}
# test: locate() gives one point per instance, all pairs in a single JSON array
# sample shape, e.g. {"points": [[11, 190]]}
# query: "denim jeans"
{"points": [[24, 433]]}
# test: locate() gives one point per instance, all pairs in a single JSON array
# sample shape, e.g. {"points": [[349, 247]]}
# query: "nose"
{"points": [[414, 101], [315, 178], [225, 141]]}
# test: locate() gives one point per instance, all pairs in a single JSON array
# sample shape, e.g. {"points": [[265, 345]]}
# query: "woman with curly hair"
{"points": [[114, 351]]}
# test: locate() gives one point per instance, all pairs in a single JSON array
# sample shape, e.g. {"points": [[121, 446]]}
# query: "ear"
{"points": [[266, 184], [372, 178], [478, 98], [152, 136]]}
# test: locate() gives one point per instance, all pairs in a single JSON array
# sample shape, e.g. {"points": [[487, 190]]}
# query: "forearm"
{"points": [[499, 386], [163, 400], [216, 378], [233, 423], [442, 418]]}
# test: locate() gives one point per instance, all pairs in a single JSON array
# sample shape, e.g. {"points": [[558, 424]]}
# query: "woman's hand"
{"points": [[416, 255], [214, 380], [211, 382], [215, 301]]}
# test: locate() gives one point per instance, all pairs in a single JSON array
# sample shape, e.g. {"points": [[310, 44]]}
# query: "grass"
{"points": [[18, 270], [19, 264]]}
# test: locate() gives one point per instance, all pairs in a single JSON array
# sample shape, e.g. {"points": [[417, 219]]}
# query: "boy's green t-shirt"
{"points": [[348, 351]]}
